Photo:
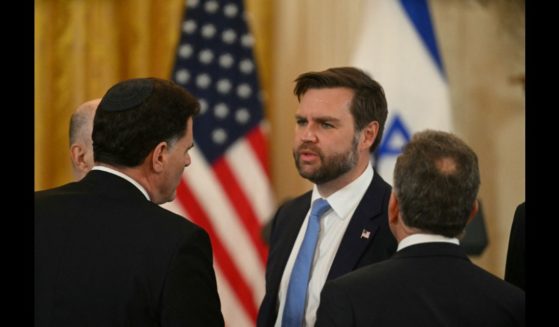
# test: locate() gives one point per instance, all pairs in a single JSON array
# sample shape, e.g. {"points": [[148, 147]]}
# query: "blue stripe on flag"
{"points": [[418, 12]]}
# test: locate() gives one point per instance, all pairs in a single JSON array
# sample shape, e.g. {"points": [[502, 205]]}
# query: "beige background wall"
{"points": [[483, 45], [83, 47]]}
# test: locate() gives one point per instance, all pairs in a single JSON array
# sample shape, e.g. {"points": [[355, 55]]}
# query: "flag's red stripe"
{"points": [[257, 141], [230, 271], [242, 206]]}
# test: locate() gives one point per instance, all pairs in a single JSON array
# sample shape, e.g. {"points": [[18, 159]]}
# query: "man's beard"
{"points": [[331, 167]]}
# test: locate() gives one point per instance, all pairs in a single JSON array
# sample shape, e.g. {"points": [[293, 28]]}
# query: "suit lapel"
{"points": [[361, 230], [292, 219]]}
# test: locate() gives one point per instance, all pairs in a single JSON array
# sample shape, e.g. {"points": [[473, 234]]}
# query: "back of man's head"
{"points": [[137, 114], [81, 148], [436, 181]]}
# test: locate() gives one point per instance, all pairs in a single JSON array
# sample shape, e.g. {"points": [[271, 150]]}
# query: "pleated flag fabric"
{"points": [[398, 48]]}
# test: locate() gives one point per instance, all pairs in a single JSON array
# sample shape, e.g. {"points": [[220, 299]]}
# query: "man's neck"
{"points": [[328, 188]]}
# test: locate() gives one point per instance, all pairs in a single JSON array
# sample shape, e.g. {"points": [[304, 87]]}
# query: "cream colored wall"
{"points": [[483, 47], [482, 44]]}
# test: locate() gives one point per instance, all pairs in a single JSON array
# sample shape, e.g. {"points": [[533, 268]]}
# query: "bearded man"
{"points": [[341, 224]]}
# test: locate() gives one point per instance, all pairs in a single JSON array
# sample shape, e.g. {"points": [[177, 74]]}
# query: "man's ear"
{"points": [[475, 208], [77, 154], [393, 209], [370, 133], [159, 156]]}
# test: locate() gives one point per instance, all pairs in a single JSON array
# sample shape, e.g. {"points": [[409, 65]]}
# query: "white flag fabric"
{"points": [[397, 47]]}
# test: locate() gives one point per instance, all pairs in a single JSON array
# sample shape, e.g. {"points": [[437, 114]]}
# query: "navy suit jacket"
{"points": [[429, 284], [515, 267], [354, 251], [106, 256]]}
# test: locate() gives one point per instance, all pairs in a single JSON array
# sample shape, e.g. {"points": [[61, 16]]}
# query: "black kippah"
{"points": [[127, 95]]}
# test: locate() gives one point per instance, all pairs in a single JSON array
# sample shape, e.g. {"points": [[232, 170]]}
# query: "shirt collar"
{"points": [[425, 238], [126, 177], [347, 198]]}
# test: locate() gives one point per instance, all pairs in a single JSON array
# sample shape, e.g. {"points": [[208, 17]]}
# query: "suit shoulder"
{"points": [[173, 219], [45, 194], [297, 201], [380, 184], [372, 273], [301, 202], [492, 280]]}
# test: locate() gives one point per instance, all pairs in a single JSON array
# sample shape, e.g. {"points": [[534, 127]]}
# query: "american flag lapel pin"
{"points": [[365, 234]]}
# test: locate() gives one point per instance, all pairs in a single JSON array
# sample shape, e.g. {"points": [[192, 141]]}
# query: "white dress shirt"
{"points": [[332, 228], [126, 177], [425, 238]]}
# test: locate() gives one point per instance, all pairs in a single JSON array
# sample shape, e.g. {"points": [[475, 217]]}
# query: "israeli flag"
{"points": [[398, 48]]}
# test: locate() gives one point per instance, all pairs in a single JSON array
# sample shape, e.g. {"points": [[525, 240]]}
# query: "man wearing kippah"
{"points": [[106, 253]]}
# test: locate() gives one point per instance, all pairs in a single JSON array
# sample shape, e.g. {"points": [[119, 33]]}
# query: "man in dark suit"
{"points": [[339, 122], [105, 253], [430, 281], [515, 268]]}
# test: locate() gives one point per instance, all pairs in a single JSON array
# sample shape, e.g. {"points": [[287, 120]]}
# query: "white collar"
{"points": [[347, 198], [425, 238]]}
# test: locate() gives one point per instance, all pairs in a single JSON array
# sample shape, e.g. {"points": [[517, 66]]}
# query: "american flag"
{"points": [[226, 190]]}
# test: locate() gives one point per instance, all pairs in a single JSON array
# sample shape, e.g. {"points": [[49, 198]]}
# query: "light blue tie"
{"points": [[293, 312]]}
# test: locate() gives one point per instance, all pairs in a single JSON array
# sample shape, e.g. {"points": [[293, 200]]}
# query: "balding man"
{"points": [[81, 146], [429, 281]]}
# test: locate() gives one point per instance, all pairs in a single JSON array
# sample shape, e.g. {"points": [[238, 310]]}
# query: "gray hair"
{"points": [[436, 182]]}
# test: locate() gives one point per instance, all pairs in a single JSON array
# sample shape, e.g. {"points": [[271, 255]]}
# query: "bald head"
{"points": [[81, 148]]}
